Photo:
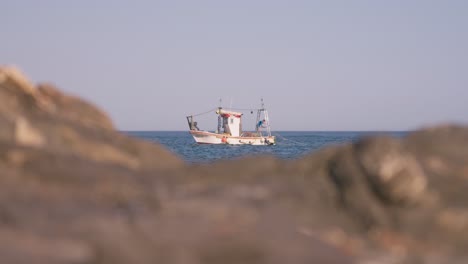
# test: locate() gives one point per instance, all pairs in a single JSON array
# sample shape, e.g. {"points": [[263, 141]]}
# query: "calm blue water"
{"points": [[290, 145]]}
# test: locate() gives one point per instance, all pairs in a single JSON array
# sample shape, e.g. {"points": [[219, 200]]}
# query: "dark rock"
{"points": [[393, 173], [443, 153], [355, 193]]}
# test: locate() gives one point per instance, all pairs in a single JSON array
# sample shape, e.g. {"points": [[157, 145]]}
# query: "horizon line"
{"points": [[164, 130]]}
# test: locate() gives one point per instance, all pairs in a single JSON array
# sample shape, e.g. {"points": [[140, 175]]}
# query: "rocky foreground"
{"points": [[74, 190]]}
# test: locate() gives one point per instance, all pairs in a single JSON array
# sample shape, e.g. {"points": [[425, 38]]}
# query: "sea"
{"points": [[290, 144]]}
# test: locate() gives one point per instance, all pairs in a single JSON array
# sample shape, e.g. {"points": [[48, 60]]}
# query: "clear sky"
{"points": [[319, 65]]}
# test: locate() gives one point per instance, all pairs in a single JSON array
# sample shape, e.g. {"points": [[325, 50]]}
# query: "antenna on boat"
{"points": [[220, 120]]}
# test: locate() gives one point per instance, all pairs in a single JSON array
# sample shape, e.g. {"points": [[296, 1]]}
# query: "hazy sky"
{"points": [[319, 65]]}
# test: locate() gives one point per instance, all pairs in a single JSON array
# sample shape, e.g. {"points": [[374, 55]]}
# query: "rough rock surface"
{"points": [[73, 190]]}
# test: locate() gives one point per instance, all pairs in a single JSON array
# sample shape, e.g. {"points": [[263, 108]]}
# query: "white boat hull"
{"points": [[205, 137]]}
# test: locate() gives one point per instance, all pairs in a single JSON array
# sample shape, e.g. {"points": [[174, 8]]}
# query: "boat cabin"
{"points": [[230, 122]]}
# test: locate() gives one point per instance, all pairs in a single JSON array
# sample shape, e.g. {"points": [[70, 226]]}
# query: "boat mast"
{"points": [[259, 112], [267, 119], [220, 119]]}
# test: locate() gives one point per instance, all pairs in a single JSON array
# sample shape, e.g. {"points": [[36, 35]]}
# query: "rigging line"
{"points": [[205, 112], [287, 139], [245, 109]]}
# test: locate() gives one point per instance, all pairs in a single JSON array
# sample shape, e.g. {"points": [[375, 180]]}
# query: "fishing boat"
{"points": [[229, 130]]}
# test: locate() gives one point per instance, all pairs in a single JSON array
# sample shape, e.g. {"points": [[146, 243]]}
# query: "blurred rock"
{"points": [[74, 190], [45, 117], [393, 173], [73, 109], [27, 135]]}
